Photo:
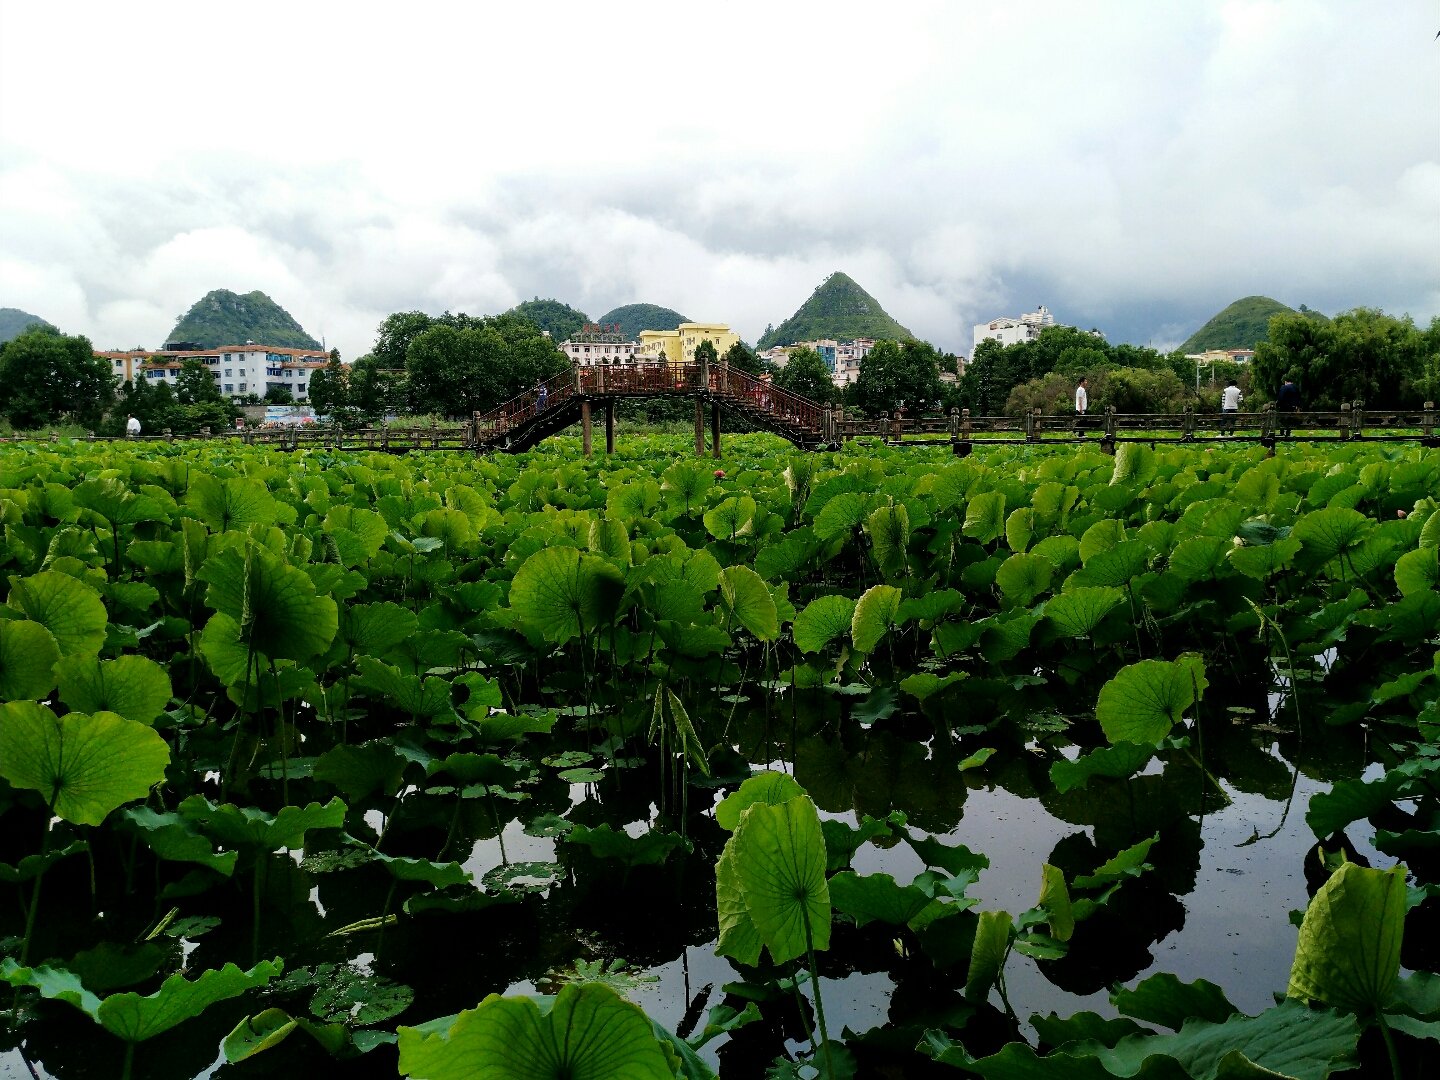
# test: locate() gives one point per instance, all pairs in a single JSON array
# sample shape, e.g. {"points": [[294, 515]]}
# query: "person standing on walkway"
{"points": [[132, 428], [1230, 399], [1082, 402], [541, 390], [1287, 403]]}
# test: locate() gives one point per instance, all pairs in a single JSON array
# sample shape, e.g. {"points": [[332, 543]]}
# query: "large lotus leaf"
{"points": [[840, 515], [675, 601], [1350, 800], [697, 568], [1116, 762], [889, 532], [268, 1029], [360, 771], [1101, 536], [878, 898], [732, 518], [685, 483], [748, 599], [375, 628], [250, 827], [1024, 577], [27, 660], [71, 610], [1163, 999], [1329, 532], [1127, 863], [985, 516], [1077, 611], [113, 500], [589, 1033], [780, 862], [770, 788], [1262, 561], [1199, 558], [1348, 954], [630, 502], [1055, 902], [85, 766], [992, 943], [875, 614], [359, 533], [1020, 528], [823, 620], [739, 938], [1145, 700], [610, 538], [561, 594], [1134, 464], [1284, 1042], [174, 838], [235, 502], [1115, 567], [136, 687], [450, 526], [1417, 571], [273, 603], [785, 559], [647, 849]]}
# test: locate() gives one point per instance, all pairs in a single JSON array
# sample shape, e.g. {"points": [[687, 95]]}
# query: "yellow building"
{"points": [[678, 346]]}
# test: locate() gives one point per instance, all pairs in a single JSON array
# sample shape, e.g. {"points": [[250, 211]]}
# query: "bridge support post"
{"points": [[586, 436], [715, 430], [1427, 423], [1357, 420], [610, 426], [1344, 420], [699, 427]]}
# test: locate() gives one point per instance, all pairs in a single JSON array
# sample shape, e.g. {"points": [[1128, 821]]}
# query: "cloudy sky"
{"points": [[1134, 166]]}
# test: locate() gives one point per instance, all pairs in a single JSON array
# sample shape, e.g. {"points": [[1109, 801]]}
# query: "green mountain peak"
{"points": [[222, 317], [840, 309], [1241, 325]]}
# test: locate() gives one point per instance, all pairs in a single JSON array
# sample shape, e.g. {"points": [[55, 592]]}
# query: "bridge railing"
{"points": [[789, 408], [497, 423], [639, 379]]}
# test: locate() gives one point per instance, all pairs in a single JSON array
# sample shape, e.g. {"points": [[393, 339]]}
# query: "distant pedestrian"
{"points": [[132, 428], [1230, 399], [1287, 403], [1082, 399], [541, 391]]}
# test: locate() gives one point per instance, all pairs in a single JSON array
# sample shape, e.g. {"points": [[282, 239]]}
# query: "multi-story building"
{"points": [[238, 370], [599, 343], [1012, 331], [678, 346]]}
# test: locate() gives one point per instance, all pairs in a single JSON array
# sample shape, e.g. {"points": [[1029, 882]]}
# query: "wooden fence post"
{"points": [[1357, 420], [1344, 420], [1030, 424], [1427, 422]]}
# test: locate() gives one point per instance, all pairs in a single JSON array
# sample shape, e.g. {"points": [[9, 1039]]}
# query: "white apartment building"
{"points": [[1012, 331], [599, 343], [238, 370]]}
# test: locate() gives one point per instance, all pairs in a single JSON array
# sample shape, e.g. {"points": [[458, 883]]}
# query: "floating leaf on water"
{"points": [[582, 776], [569, 759], [548, 825], [524, 876]]}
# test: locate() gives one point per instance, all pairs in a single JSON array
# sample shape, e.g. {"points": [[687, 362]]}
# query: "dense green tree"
{"points": [[329, 389], [195, 384], [459, 369], [806, 374], [738, 356], [1361, 355], [1129, 390], [561, 320], [47, 376], [706, 352], [393, 338], [279, 395], [898, 375]]}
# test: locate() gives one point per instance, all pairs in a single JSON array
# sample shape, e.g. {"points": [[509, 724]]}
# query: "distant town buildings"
{"points": [[599, 343], [239, 370], [1210, 356], [678, 346], [1012, 331], [841, 357]]}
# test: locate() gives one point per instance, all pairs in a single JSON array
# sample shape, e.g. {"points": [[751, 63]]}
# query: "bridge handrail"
{"points": [[729, 381]]}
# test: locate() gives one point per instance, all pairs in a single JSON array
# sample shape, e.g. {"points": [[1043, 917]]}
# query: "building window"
{"points": [[229, 387], [228, 373], [242, 387]]}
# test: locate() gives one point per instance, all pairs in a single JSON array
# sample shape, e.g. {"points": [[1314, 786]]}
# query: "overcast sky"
{"points": [[1134, 166]]}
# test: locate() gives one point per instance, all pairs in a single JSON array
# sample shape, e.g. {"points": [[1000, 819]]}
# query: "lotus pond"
{"points": [[1039, 763]]}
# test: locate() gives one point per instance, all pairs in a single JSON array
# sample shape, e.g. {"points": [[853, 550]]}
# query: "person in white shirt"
{"points": [[1230, 399], [1082, 399], [132, 427]]}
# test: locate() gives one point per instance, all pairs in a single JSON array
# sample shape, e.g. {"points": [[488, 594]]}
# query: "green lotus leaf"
{"points": [[1125, 864], [71, 610], [840, 515], [875, 614], [1351, 800], [265, 1030], [1116, 762], [1418, 571], [985, 516], [358, 772], [113, 500], [451, 527], [1077, 611], [1145, 700], [733, 518], [1348, 955], [562, 595], [675, 601], [648, 849], [235, 502], [685, 483], [1263, 561], [27, 660], [274, 605], [1134, 464], [955, 859], [177, 839], [609, 537], [1163, 999], [1115, 567], [1200, 558], [1055, 902], [749, 601], [786, 559], [739, 937], [86, 766], [1100, 537], [439, 874], [375, 628], [823, 620], [253, 829], [589, 1033], [423, 698], [1024, 577], [992, 943], [1332, 531], [633, 501], [136, 687], [769, 788], [878, 898], [780, 862], [1020, 528], [889, 532]]}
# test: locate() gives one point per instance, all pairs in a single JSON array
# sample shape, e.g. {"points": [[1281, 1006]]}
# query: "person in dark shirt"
{"points": [[1287, 403]]}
